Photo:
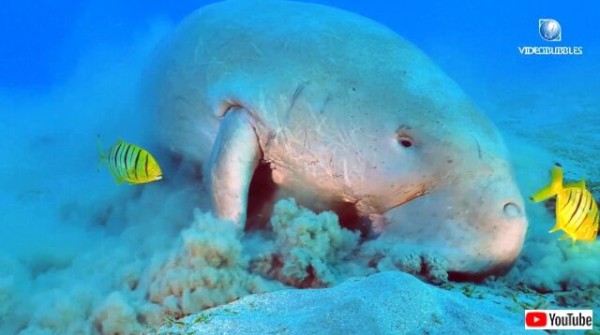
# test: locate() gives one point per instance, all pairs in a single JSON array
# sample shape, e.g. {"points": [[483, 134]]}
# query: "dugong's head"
{"points": [[413, 151], [442, 180], [435, 168], [462, 202]]}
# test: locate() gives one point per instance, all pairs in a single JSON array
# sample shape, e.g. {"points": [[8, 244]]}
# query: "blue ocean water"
{"points": [[45, 39], [70, 70]]}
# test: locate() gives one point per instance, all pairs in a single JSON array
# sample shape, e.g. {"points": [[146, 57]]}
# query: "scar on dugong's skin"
{"points": [[342, 110]]}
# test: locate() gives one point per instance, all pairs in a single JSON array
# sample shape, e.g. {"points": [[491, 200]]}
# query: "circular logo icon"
{"points": [[550, 30]]}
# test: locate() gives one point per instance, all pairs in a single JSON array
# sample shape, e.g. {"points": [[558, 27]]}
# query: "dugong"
{"points": [[341, 110]]}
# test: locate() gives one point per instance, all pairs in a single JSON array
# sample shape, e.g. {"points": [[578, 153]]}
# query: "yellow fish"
{"points": [[576, 210], [130, 163]]}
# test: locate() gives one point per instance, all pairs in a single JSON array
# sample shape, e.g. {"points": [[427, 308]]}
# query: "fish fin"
{"points": [[119, 180], [233, 160], [555, 186], [101, 154], [564, 237], [580, 184], [554, 229]]}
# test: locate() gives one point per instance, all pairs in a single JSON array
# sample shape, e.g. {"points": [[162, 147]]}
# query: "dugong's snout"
{"points": [[502, 236], [478, 224], [498, 221]]}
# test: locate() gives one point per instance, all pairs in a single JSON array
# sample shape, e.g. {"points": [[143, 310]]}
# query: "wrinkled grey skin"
{"points": [[327, 98]]}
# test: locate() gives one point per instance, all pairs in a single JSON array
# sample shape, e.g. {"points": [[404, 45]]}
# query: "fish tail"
{"points": [[555, 186]]}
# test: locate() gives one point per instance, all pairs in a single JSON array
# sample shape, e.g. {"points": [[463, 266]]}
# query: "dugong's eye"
{"points": [[405, 141], [403, 137]]}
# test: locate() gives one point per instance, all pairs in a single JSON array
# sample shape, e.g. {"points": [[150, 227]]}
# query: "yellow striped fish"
{"points": [[130, 163], [576, 210]]}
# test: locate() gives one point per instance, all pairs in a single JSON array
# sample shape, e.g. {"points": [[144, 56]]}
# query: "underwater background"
{"points": [[81, 255]]}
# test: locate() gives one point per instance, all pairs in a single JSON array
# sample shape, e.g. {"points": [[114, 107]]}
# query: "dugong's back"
{"points": [[261, 54]]}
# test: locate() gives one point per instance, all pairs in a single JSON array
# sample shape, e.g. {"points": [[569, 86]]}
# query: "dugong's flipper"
{"points": [[234, 157]]}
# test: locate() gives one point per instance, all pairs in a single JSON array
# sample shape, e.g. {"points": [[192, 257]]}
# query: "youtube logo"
{"points": [[564, 319], [536, 319]]}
